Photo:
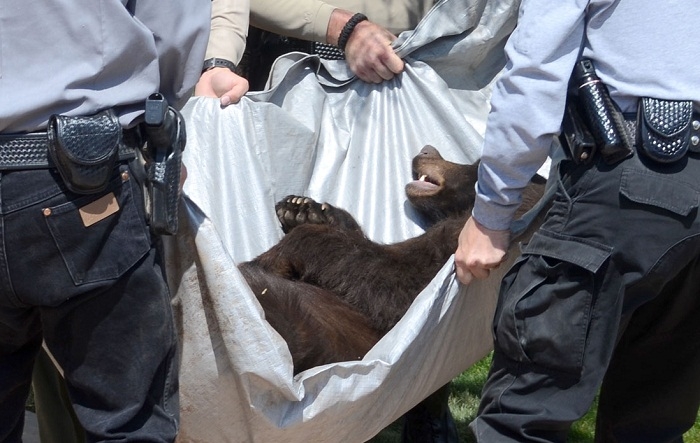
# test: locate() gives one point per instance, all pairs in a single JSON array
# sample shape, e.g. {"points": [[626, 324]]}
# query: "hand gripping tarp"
{"points": [[315, 131]]}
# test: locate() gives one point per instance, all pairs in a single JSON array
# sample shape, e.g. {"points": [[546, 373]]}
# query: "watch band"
{"points": [[218, 63]]}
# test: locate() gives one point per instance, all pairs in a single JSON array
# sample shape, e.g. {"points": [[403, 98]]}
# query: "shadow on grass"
{"points": [[464, 403]]}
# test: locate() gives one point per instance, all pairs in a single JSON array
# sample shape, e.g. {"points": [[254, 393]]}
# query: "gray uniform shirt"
{"points": [[77, 57], [639, 47]]}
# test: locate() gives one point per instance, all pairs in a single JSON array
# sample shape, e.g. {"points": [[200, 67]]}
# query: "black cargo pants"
{"points": [[607, 293]]}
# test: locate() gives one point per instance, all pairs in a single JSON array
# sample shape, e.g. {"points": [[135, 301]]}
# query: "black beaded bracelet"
{"points": [[348, 28], [218, 63]]}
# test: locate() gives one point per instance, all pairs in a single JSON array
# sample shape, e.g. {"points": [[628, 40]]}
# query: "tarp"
{"points": [[317, 131]]}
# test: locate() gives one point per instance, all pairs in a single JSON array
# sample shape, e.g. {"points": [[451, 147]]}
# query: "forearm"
{"points": [[527, 106], [229, 28], [227, 39], [337, 21]]}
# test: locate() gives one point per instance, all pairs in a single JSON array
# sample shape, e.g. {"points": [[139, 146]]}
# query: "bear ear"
{"points": [[430, 151]]}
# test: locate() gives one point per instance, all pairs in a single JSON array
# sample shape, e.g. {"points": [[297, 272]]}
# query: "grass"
{"points": [[464, 402]]}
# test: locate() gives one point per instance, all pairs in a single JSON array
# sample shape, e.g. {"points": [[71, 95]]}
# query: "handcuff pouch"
{"points": [[85, 149], [664, 128]]}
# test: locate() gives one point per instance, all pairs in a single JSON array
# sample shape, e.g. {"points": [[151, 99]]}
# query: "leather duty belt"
{"points": [[31, 150]]}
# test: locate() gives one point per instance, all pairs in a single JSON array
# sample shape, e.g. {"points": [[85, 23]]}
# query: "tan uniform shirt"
{"points": [[229, 28], [308, 19]]}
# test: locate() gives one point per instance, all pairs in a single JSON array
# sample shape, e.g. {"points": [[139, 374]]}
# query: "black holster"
{"points": [[164, 128], [592, 121], [575, 136]]}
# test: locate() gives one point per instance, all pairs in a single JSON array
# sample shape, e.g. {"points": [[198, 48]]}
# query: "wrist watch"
{"points": [[218, 63]]}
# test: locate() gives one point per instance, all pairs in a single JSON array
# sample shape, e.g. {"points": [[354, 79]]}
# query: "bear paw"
{"points": [[293, 211]]}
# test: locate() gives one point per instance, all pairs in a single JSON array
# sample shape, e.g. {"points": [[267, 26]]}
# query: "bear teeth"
{"points": [[423, 177]]}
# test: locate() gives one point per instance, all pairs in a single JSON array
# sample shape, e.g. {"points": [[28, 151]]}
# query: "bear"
{"points": [[332, 293]]}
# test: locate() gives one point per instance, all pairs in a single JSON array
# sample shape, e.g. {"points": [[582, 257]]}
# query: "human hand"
{"points": [[369, 53], [222, 83], [479, 250], [368, 50]]}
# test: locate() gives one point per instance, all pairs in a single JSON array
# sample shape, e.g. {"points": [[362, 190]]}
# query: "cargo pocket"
{"points": [[100, 237], [546, 301]]}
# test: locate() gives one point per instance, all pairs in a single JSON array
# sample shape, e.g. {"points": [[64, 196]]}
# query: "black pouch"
{"points": [[663, 128], [575, 136], [85, 149]]}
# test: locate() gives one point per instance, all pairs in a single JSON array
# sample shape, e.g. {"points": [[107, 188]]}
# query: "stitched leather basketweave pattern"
{"points": [[665, 128]]}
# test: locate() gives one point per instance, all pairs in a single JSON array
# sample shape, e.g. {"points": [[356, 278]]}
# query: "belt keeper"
{"points": [[695, 134]]}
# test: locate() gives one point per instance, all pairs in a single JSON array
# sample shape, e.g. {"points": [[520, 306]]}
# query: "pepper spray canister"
{"points": [[600, 113]]}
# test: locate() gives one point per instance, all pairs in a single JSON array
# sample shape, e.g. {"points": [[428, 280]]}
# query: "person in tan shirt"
{"points": [[227, 40], [368, 51]]}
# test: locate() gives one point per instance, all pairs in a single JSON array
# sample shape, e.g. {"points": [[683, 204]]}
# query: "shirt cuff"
{"points": [[493, 216]]}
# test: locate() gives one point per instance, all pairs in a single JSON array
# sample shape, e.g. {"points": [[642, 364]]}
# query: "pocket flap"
{"points": [[667, 118], [650, 188], [584, 253]]}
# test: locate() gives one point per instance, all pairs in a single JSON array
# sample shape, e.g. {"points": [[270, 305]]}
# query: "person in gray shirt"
{"points": [[81, 269], [605, 294]]}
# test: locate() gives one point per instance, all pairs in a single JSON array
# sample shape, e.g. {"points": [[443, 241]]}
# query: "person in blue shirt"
{"points": [[604, 297], [81, 270]]}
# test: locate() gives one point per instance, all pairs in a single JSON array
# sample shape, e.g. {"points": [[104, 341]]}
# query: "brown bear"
{"points": [[332, 293]]}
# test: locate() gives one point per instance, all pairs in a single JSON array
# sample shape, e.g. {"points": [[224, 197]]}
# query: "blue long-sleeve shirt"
{"points": [[639, 47], [77, 57]]}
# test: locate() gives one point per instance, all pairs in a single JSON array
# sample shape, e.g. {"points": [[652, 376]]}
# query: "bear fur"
{"points": [[331, 292]]}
